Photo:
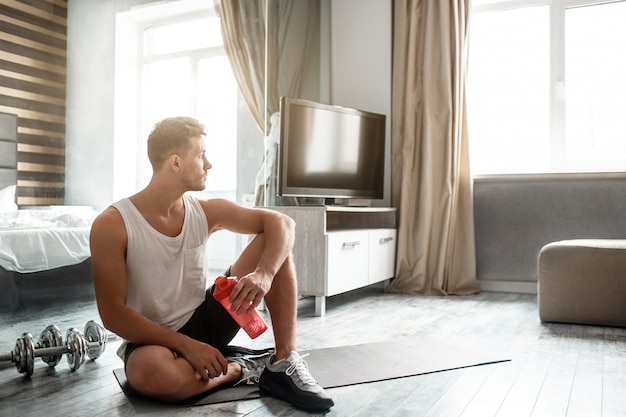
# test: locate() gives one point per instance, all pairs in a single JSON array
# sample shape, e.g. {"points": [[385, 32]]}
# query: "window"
{"points": [[185, 71], [170, 61], [546, 91]]}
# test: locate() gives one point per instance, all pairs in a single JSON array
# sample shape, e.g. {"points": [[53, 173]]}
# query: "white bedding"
{"points": [[38, 240]]}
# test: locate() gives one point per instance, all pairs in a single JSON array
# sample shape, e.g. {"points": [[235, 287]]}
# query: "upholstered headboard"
{"points": [[8, 149]]}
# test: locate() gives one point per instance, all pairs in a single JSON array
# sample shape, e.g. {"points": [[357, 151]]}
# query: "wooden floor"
{"points": [[555, 369]]}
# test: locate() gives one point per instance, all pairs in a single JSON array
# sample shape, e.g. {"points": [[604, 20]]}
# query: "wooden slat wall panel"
{"points": [[8, 150], [33, 45]]}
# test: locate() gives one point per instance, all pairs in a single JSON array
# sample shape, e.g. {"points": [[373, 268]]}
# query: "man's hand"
{"points": [[207, 360], [249, 291]]}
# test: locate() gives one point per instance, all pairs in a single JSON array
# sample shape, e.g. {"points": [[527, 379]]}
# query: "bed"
{"points": [[44, 251]]}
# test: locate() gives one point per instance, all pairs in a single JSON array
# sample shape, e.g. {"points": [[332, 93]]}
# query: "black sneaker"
{"points": [[289, 379], [251, 366]]}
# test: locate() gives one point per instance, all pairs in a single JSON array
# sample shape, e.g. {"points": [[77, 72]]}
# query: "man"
{"points": [[148, 257]]}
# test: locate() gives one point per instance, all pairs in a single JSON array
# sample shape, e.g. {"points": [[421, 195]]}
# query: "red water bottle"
{"points": [[250, 321]]}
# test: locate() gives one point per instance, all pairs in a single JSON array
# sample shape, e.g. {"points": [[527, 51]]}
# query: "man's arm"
{"points": [[278, 231], [108, 242]]}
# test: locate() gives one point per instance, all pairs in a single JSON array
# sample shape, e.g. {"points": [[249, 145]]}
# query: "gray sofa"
{"points": [[583, 281]]}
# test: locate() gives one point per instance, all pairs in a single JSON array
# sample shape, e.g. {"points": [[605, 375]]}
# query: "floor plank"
{"points": [[555, 369]]}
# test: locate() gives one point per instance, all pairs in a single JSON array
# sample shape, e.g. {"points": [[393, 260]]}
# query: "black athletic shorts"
{"points": [[210, 323]]}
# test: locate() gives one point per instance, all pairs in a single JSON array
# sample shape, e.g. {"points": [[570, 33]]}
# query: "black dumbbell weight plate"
{"points": [[51, 337]]}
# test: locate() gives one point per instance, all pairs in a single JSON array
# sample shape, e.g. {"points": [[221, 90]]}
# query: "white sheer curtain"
{"points": [[243, 31], [430, 161]]}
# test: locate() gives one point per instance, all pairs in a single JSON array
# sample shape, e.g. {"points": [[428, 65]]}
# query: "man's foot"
{"points": [[289, 379], [251, 366]]}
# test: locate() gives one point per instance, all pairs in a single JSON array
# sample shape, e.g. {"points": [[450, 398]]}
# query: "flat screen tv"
{"points": [[330, 151]]}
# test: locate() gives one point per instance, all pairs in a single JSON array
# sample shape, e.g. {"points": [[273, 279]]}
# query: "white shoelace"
{"points": [[252, 378], [251, 371], [302, 369]]}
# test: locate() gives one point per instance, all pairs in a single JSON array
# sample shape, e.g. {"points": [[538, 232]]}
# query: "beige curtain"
{"points": [[430, 162]]}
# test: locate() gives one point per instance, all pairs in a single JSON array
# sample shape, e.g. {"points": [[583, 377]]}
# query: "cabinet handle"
{"points": [[350, 244], [385, 239]]}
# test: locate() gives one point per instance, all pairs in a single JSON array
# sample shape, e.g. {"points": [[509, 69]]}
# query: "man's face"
{"points": [[195, 165]]}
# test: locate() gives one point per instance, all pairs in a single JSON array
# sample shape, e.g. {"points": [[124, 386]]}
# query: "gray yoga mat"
{"points": [[348, 365]]}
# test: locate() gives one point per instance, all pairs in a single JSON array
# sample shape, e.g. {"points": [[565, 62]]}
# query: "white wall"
{"points": [[90, 100], [360, 43]]}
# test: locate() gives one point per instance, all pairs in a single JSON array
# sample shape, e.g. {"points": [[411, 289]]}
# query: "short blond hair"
{"points": [[171, 136]]}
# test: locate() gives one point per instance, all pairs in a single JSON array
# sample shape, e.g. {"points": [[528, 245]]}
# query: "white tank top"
{"points": [[165, 275]]}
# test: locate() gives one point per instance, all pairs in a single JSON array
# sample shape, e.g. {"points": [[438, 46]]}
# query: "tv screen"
{"points": [[330, 151]]}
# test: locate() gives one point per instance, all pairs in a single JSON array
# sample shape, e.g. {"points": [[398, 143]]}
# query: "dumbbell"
{"points": [[50, 347]]}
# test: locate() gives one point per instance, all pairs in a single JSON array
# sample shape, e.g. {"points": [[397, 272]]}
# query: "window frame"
{"points": [[194, 55], [557, 30], [129, 152]]}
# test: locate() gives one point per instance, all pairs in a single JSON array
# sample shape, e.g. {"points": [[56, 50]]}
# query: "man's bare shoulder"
{"points": [[108, 223], [109, 214]]}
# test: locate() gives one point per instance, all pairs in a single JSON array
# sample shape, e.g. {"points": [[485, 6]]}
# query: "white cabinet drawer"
{"points": [[347, 265], [382, 254]]}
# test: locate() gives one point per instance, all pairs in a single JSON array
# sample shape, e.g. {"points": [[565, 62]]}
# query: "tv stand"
{"points": [[339, 249]]}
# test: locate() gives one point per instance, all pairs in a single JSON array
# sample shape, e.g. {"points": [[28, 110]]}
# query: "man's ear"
{"points": [[174, 162]]}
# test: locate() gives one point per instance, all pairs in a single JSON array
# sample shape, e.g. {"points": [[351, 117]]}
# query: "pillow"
{"points": [[7, 199]]}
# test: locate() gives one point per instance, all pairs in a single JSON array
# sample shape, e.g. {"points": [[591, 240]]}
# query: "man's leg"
{"points": [[286, 375], [156, 371], [281, 300]]}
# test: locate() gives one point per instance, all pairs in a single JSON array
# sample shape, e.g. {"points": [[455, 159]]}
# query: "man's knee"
{"points": [[153, 373]]}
